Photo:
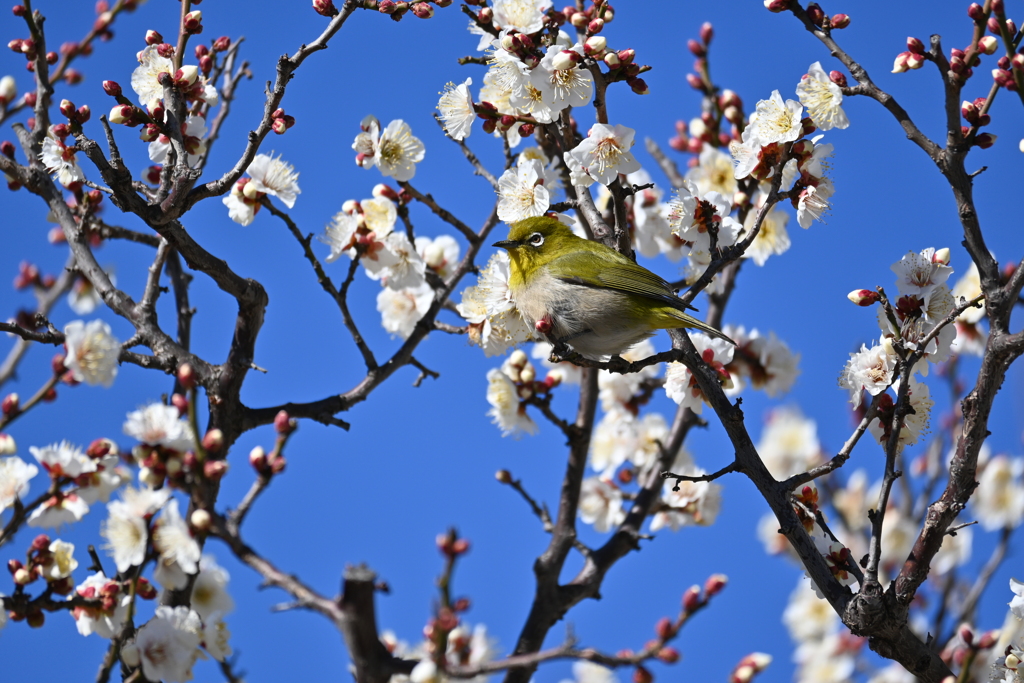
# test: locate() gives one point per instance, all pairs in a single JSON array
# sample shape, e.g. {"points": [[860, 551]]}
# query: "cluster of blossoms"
{"points": [[924, 302], [365, 230], [395, 151], [267, 176]]}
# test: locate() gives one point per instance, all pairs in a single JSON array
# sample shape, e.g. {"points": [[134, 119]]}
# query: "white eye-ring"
{"points": [[536, 239]]}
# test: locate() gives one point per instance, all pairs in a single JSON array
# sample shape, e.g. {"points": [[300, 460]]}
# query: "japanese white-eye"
{"points": [[585, 294]]}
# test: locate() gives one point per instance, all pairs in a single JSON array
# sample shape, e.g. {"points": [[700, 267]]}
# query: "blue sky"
{"points": [[417, 461]]}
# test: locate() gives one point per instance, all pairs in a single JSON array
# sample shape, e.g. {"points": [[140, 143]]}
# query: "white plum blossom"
{"points": [[868, 370], [521, 191], [713, 173], [693, 218], [825, 661], [126, 527], [680, 384], [440, 254], [695, 503], [766, 362], [823, 99], [241, 209], [808, 616], [495, 322], [340, 235], [83, 297], [615, 389], [774, 121], [998, 502], [145, 79], [367, 143], [61, 561], [63, 460], [270, 175], [920, 274], [14, 476], [107, 619], [789, 443], [160, 425], [179, 552], [915, 423], [1017, 603], [569, 86], [813, 202], [58, 510], [401, 309], [209, 592], [399, 151], [192, 132], [92, 352], [506, 409], [613, 442], [398, 265], [104, 480], [59, 159], [603, 154], [457, 112], [771, 238], [601, 504], [591, 672], [967, 288], [168, 644], [215, 638], [523, 16]]}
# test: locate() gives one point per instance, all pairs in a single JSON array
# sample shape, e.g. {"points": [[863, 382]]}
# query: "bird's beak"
{"points": [[507, 244]]}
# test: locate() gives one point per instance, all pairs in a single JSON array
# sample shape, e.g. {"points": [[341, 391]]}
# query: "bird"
{"points": [[582, 293]]}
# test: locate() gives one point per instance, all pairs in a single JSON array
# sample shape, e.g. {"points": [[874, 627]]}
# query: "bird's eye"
{"points": [[536, 239]]}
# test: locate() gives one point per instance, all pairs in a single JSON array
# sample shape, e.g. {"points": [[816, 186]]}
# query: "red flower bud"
{"points": [[840, 20], [837, 78], [154, 38], [707, 32], [284, 424], [691, 598]]}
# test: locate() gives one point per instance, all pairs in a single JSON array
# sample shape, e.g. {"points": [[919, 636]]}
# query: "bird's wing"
{"points": [[611, 270]]}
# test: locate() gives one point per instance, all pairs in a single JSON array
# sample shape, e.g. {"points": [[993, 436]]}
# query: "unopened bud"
{"points": [[67, 108], [7, 444], [186, 76], [668, 655], [566, 59], [214, 470], [153, 38], [776, 6], [695, 81], [691, 598], [595, 45], [187, 376], [696, 48], [715, 584], [284, 423], [325, 8], [815, 14], [840, 20], [899, 65], [665, 629], [503, 476], [423, 10], [988, 44], [595, 26], [915, 60], [838, 78], [638, 85], [642, 675], [200, 519], [626, 56], [180, 402], [193, 22], [258, 459], [23, 576], [863, 297], [915, 45], [966, 634], [941, 256], [213, 441], [11, 404], [985, 140], [707, 32], [130, 655], [988, 639]]}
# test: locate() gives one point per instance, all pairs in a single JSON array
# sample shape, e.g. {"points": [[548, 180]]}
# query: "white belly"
{"points": [[589, 319]]}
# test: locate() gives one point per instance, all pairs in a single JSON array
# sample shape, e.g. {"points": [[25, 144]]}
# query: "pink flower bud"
{"points": [[1003, 62], [144, 589], [988, 639], [526, 130], [915, 45], [838, 78], [595, 45], [41, 542], [776, 6], [503, 476], [695, 82], [815, 14], [863, 297], [696, 48], [642, 675], [193, 22], [213, 441], [626, 56], [566, 59], [214, 470], [67, 108], [691, 598], [19, 10], [186, 76], [153, 38], [840, 20], [988, 44], [187, 376], [325, 8], [10, 405], [715, 584], [180, 402], [486, 15], [638, 85], [665, 628], [595, 26], [976, 12], [707, 32], [914, 60], [423, 10], [284, 423], [941, 256], [579, 20], [258, 459], [998, 8], [966, 634], [985, 140]]}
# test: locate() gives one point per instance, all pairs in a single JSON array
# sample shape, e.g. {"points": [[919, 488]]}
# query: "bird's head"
{"points": [[534, 242]]}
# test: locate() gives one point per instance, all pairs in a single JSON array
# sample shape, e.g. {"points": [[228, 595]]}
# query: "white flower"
{"points": [[399, 151], [521, 192], [179, 552], [441, 254], [589, 672], [8, 92], [398, 265], [561, 88], [920, 274], [241, 209], [1017, 603], [495, 322], [998, 501], [168, 644], [813, 202], [915, 424], [192, 134], [209, 592], [868, 369], [160, 425], [215, 638], [968, 287], [126, 527], [340, 235], [613, 441], [604, 153], [59, 159], [823, 99], [63, 460], [274, 177], [92, 352], [61, 561], [767, 362], [58, 510], [506, 410], [106, 619], [789, 443], [14, 476], [616, 390], [775, 121], [601, 504], [807, 616], [456, 107], [83, 297], [772, 237], [145, 81], [680, 384], [825, 661], [696, 502], [401, 309], [107, 478], [693, 217], [713, 173], [367, 143], [524, 16]]}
